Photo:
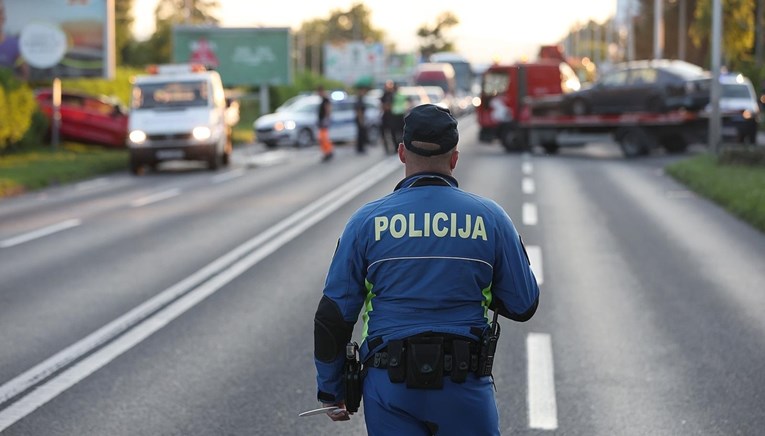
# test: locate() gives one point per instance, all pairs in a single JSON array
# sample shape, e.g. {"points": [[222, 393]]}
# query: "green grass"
{"points": [[40, 167], [738, 188]]}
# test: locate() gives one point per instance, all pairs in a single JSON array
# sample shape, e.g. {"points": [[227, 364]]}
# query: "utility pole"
{"points": [[682, 28], [658, 29], [714, 120]]}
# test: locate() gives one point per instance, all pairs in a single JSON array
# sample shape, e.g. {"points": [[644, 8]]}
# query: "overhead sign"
{"points": [[242, 56], [42, 39]]}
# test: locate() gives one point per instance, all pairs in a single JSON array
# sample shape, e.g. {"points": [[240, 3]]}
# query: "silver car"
{"points": [[296, 122]]}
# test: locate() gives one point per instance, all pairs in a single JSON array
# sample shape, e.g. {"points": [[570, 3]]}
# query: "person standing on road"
{"points": [[361, 120], [325, 112], [426, 263], [387, 132]]}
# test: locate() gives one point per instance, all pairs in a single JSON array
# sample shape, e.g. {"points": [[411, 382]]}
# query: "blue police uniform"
{"points": [[428, 258]]}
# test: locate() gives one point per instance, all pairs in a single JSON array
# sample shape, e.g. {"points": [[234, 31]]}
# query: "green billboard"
{"points": [[242, 56]]}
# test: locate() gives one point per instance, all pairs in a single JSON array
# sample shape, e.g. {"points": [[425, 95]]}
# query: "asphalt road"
{"points": [[182, 302]]}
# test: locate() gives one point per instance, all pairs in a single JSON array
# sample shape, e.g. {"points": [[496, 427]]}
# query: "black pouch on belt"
{"points": [[425, 362], [460, 360], [396, 363]]}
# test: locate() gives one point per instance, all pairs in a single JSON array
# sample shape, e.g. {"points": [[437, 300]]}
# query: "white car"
{"points": [[738, 102], [296, 122]]}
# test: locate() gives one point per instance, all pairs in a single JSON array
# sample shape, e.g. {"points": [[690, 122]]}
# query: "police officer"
{"points": [[425, 263]]}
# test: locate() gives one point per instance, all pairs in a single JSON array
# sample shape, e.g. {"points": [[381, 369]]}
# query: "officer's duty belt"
{"points": [[460, 357]]}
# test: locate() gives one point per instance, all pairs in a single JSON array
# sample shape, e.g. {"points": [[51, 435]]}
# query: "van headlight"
{"points": [[137, 137], [201, 133]]}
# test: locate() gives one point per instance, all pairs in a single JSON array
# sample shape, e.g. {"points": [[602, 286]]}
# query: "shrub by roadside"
{"points": [[17, 104], [735, 181], [40, 167]]}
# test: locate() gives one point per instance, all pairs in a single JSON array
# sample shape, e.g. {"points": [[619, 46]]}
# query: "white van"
{"points": [[178, 112]]}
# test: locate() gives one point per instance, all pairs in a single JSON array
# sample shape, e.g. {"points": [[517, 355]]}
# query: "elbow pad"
{"points": [[498, 305], [331, 332]]}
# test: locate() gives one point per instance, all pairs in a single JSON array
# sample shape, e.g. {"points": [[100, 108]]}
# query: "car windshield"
{"points": [[170, 95], [735, 90]]}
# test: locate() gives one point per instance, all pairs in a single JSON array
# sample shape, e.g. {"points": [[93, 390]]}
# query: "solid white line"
{"points": [[527, 185], [153, 198], [535, 257], [527, 168], [39, 233], [529, 214], [139, 325], [543, 410], [230, 175]]}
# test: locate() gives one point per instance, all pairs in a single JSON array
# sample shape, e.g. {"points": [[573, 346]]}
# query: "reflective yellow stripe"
{"points": [[367, 309]]}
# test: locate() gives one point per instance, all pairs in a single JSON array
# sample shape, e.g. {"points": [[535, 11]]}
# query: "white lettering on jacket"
{"points": [[439, 224]]}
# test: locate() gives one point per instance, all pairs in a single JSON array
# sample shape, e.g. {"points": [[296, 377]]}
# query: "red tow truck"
{"points": [[530, 94]]}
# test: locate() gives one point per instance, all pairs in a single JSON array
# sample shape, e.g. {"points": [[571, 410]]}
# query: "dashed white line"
{"points": [[230, 175], [535, 258], [530, 214], [527, 168], [153, 198], [527, 185], [543, 409], [39, 233]]}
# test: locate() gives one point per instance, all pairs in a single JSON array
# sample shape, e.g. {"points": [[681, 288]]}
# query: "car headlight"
{"points": [[201, 133], [290, 125], [747, 114], [137, 137]]}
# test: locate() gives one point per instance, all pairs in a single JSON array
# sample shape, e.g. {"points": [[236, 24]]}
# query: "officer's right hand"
{"points": [[340, 414]]}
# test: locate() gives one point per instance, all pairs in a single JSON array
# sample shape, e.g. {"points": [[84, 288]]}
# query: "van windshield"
{"points": [[171, 95]]}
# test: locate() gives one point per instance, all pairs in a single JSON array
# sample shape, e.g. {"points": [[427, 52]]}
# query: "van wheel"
{"points": [[136, 168], [213, 162]]}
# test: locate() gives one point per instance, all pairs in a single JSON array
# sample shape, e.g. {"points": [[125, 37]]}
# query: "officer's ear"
{"points": [[453, 159], [401, 153]]}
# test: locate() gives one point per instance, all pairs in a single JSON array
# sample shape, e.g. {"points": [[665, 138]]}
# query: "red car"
{"points": [[88, 118]]}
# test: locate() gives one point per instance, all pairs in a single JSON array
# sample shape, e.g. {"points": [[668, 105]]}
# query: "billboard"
{"points": [[242, 56], [43, 39], [350, 62]]}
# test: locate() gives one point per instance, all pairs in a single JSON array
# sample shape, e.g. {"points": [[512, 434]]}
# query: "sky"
{"points": [[503, 30]]}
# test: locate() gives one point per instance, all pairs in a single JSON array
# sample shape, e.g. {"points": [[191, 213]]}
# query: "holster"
{"points": [[425, 362]]}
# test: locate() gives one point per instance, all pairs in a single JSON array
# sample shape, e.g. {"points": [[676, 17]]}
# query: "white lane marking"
{"points": [[39, 233], [527, 168], [154, 198], [543, 410], [269, 158], [188, 292], [535, 257], [225, 177], [527, 185], [92, 184], [530, 214]]}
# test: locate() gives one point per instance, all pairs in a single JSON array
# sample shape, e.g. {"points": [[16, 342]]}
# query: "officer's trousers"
{"points": [[458, 409]]}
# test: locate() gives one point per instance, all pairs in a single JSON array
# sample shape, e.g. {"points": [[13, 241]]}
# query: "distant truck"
{"points": [[529, 92], [179, 112]]}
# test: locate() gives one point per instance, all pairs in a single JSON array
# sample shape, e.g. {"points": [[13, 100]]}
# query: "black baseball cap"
{"points": [[432, 124]]}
